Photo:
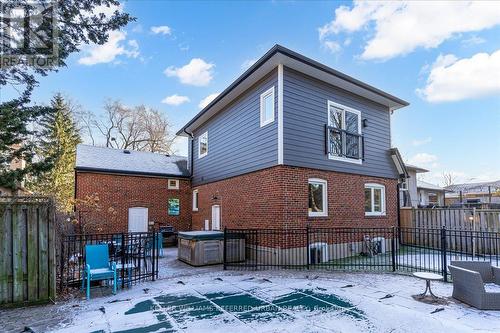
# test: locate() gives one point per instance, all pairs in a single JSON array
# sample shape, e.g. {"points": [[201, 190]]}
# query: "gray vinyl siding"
{"points": [[305, 115], [236, 142]]}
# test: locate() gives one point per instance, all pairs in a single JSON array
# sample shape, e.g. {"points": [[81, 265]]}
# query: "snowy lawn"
{"points": [[189, 299]]}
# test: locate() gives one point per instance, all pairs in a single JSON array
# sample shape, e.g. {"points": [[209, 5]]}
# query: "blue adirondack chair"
{"points": [[98, 267], [159, 243]]}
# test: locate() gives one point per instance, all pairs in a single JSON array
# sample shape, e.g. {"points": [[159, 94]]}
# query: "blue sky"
{"points": [[442, 58]]}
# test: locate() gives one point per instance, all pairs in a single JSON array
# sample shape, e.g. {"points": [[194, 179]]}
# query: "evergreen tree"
{"points": [[79, 23], [58, 144]]}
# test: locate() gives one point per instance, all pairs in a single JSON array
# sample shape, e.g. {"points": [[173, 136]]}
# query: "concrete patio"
{"points": [[187, 299]]}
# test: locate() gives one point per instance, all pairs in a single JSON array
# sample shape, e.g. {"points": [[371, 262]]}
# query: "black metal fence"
{"points": [[135, 255], [359, 249]]}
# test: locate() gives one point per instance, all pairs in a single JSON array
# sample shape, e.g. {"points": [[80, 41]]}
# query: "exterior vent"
{"points": [[126, 151]]}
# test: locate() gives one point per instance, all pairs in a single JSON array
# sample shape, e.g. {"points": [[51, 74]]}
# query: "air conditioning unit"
{"points": [[318, 253], [378, 245]]}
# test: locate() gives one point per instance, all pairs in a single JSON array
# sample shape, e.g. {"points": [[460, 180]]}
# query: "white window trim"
{"points": [[280, 114], [373, 186], [195, 202], [345, 108], [269, 92], [175, 187], [200, 155], [325, 197]]}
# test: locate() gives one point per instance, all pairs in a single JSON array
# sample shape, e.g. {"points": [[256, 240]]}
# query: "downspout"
{"points": [[192, 151], [74, 191], [399, 204], [191, 173]]}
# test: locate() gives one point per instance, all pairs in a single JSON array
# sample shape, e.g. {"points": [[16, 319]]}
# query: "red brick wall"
{"points": [[278, 197], [117, 193], [253, 200]]}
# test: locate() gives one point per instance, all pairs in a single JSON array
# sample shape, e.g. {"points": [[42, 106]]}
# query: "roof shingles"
{"points": [[92, 158]]}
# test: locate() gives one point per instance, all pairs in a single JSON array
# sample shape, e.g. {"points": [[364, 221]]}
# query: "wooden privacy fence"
{"points": [[468, 230], [27, 250], [451, 218]]}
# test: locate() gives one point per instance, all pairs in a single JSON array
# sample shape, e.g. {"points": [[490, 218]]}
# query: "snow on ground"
{"points": [[188, 299]]}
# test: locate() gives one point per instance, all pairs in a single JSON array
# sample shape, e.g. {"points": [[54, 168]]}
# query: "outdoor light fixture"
{"points": [[365, 122]]}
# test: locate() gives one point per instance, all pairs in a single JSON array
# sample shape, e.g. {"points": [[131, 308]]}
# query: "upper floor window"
{"points": [[267, 107], [374, 199], [344, 139], [203, 145], [173, 184], [318, 205]]}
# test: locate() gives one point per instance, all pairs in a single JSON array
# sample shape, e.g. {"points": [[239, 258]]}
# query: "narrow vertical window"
{"points": [[203, 145], [195, 200], [267, 107], [374, 199], [318, 199]]}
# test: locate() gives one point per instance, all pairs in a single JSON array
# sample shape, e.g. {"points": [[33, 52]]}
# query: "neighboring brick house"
{"points": [[293, 143], [131, 191], [290, 143]]}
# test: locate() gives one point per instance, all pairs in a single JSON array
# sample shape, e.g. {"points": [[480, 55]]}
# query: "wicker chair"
{"points": [[468, 283]]}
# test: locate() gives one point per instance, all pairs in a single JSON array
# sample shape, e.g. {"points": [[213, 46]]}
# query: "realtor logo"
{"points": [[28, 34]]}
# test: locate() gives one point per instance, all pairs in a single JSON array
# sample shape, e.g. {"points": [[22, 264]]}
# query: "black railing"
{"points": [[360, 249], [136, 256], [342, 143]]}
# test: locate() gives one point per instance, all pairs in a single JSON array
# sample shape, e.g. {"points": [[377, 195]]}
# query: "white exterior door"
{"points": [[138, 219], [215, 217]]}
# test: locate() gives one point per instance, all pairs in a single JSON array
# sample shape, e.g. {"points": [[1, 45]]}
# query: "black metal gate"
{"points": [[135, 254]]}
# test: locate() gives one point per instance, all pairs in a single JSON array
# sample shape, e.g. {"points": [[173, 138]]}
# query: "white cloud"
{"points": [[107, 52], [332, 46], [453, 79], [422, 158], [402, 26], [473, 40], [204, 102], [161, 29], [175, 100], [247, 64], [421, 142], [196, 73], [137, 28]]}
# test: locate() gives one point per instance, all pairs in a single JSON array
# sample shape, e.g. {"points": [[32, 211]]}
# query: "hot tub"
{"points": [[199, 248]]}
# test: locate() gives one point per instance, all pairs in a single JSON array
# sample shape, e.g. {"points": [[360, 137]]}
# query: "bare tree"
{"points": [[157, 130], [136, 128], [107, 125], [85, 122], [448, 179]]}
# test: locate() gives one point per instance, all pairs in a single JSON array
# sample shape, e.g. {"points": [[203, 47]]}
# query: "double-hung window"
{"points": [[318, 197], [267, 107], [344, 139], [203, 145], [374, 199]]}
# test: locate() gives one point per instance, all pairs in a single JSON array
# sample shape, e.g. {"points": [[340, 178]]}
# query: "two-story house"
{"points": [[292, 143]]}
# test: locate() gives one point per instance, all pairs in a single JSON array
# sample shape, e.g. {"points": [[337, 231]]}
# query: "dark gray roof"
{"points": [[92, 158], [303, 59], [483, 187]]}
